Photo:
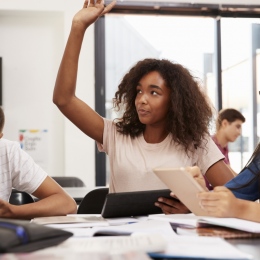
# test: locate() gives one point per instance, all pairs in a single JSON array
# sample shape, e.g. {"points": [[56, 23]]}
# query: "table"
{"points": [[250, 246]]}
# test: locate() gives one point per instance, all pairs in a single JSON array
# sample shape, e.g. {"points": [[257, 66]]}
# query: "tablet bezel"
{"points": [[136, 203]]}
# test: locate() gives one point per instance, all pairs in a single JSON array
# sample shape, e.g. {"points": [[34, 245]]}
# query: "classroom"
{"points": [[33, 38]]}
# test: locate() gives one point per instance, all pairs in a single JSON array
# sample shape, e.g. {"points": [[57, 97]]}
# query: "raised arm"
{"points": [[78, 112]]}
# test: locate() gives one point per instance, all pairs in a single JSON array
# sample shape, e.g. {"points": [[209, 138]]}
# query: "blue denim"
{"points": [[240, 184]]}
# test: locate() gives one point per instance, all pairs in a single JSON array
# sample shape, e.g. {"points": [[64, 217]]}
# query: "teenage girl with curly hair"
{"points": [[164, 124], [188, 115]]}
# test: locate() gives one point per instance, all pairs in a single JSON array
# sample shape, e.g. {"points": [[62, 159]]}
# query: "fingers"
{"points": [[221, 188], [99, 3], [173, 195], [86, 3], [108, 7], [208, 196], [194, 171], [171, 206]]}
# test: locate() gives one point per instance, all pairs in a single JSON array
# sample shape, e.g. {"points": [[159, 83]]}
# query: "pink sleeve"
{"points": [[107, 135]]}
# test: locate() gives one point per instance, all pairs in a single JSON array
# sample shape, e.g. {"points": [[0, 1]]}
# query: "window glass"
{"points": [[236, 38]]}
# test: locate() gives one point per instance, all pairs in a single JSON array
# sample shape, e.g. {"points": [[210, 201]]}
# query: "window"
{"points": [[188, 35]]}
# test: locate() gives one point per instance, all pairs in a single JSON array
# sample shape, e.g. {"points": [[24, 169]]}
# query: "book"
{"points": [[71, 221], [216, 231], [189, 224]]}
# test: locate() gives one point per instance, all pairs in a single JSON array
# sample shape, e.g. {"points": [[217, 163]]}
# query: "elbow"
{"points": [[59, 97], [57, 100], [72, 207], [62, 100]]}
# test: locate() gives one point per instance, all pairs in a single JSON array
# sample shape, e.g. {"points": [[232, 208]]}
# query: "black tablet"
{"points": [[137, 203]]}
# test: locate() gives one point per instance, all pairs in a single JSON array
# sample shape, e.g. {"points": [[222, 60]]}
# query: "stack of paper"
{"points": [[75, 221], [190, 220]]}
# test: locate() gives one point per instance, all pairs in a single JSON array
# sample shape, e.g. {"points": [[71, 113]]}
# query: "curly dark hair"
{"points": [[190, 113]]}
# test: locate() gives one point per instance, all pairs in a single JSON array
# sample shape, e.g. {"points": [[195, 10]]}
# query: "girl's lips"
{"points": [[143, 112]]}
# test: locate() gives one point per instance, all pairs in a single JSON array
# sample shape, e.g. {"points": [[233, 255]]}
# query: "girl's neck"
{"points": [[154, 136]]}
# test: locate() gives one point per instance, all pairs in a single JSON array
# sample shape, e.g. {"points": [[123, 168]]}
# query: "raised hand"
{"points": [[91, 11]]}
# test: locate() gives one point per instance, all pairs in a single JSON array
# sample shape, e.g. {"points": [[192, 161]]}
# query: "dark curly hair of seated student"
{"points": [[190, 113]]}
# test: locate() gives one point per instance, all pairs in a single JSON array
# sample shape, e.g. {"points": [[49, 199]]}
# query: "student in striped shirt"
{"points": [[19, 171]]}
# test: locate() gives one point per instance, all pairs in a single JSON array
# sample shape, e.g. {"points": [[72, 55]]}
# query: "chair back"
{"points": [[69, 181], [20, 197], [93, 202]]}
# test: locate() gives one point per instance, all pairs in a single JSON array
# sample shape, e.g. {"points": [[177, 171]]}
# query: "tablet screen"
{"points": [[137, 203]]}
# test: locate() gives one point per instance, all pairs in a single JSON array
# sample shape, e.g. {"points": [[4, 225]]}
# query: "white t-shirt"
{"points": [[132, 159], [17, 170]]}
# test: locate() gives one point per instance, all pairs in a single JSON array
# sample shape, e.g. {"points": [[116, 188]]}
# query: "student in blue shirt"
{"points": [[237, 198]]}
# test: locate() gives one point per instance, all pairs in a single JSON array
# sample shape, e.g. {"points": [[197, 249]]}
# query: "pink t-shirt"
{"points": [[132, 159]]}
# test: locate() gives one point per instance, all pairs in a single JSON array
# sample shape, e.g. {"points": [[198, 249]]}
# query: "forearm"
{"points": [[219, 174], [54, 205], [247, 210]]}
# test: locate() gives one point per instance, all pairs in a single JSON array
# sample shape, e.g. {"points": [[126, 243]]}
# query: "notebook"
{"points": [[183, 185]]}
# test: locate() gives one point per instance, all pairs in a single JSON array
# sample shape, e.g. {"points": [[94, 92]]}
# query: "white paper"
{"points": [[202, 247], [190, 220], [116, 244], [144, 227], [69, 219], [235, 223]]}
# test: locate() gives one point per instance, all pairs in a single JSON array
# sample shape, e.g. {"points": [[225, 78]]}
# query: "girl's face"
{"points": [[152, 100]]}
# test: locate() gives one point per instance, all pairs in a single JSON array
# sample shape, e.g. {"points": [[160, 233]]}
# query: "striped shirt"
{"points": [[17, 170]]}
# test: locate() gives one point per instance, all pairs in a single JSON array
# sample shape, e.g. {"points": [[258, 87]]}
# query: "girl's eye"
{"points": [[154, 93], [138, 91]]}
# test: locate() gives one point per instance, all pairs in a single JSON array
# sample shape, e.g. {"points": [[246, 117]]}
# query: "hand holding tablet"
{"points": [[184, 186]]}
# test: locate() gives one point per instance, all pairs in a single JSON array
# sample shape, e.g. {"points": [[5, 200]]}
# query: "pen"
{"points": [[19, 230]]}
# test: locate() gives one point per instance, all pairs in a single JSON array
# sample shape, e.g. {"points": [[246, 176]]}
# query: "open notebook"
{"points": [[189, 224]]}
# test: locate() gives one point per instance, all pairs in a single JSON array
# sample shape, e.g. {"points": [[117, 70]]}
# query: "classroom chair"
{"points": [[93, 202], [69, 181], [20, 197]]}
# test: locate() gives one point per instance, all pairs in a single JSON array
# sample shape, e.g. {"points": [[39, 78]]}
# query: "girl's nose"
{"points": [[143, 99]]}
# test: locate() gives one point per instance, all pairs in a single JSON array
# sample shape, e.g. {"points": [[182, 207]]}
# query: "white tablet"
{"points": [[184, 186]]}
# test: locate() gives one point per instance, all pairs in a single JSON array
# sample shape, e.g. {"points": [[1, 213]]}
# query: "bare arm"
{"points": [[78, 112], [222, 203], [219, 174], [53, 201]]}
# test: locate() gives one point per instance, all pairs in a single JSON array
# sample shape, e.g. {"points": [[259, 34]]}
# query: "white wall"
{"points": [[33, 34]]}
